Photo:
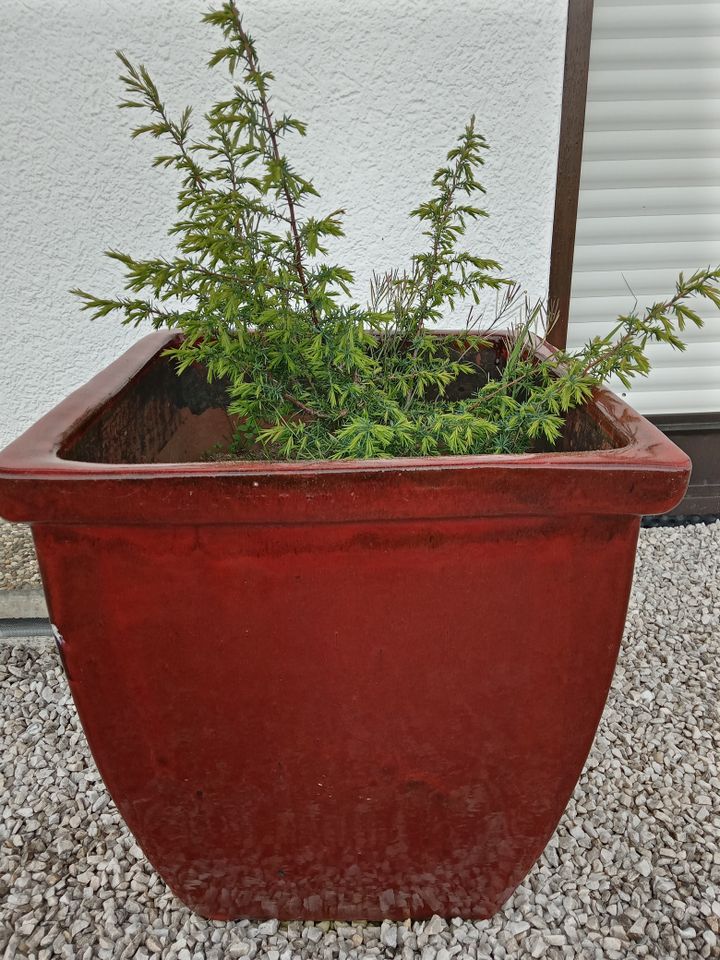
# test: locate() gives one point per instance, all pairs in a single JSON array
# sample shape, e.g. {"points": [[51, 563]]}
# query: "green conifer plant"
{"points": [[311, 373]]}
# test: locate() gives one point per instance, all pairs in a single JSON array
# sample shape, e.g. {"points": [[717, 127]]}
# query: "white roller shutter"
{"points": [[650, 186]]}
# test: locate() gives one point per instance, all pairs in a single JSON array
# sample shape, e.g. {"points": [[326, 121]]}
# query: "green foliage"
{"points": [[312, 374]]}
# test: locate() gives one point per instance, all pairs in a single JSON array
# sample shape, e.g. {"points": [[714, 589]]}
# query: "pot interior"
{"points": [[160, 417]]}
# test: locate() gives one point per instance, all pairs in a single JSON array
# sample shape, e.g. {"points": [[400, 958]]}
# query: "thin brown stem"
{"points": [[315, 413], [177, 138]]}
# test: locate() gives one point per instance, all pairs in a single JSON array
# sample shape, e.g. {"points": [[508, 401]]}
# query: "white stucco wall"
{"points": [[384, 86]]}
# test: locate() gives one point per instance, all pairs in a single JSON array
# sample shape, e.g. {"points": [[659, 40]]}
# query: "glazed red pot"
{"points": [[332, 689]]}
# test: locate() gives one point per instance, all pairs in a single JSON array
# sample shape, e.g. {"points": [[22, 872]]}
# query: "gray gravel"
{"points": [[18, 565], [632, 871]]}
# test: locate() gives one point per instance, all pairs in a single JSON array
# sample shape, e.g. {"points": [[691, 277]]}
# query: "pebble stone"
{"points": [[633, 870], [18, 565]]}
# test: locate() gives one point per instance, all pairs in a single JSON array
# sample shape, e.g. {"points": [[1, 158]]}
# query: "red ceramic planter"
{"points": [[332, 690]]}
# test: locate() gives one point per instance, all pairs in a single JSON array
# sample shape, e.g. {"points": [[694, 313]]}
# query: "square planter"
{"points": [[333, 689]]}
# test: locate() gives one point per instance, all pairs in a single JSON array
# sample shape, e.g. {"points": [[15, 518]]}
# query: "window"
{"points": [[649, 202]]}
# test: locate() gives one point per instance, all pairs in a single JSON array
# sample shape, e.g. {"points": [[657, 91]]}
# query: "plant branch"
{"points": [[252, 62], [138, 81]]}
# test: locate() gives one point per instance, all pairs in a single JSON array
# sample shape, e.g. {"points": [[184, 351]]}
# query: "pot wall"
{"points": [[341, 720]]}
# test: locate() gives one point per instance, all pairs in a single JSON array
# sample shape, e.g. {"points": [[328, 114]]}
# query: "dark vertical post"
{"points": [[572, 126]]}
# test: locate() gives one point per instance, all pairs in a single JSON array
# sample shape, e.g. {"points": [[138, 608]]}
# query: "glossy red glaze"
{"points": [[341, 690]]}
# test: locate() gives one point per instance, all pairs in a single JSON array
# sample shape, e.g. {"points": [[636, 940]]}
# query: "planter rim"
{"points": [[35, 456], [37, 450]]}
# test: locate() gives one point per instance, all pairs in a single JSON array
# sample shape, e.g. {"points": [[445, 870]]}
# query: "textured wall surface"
{"points": [[384, 86]]}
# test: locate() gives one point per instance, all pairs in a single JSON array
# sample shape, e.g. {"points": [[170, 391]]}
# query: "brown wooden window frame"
{"points": [[570, 148]]}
